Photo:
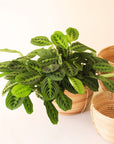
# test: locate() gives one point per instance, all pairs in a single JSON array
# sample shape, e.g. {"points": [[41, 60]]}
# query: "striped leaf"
{"points": [[40, 41], [77, 84], [109, 84], [91, 83], [28, 105], [57, 76], [79, 47], [59, 39], [4, 66], [49, 89], [51, 111], [20, 90], [72, 34], [28, 78], [11, 75], [102, 67], [70, 69], [8, 86], [13, 102], [64, 102], [51, 68]]}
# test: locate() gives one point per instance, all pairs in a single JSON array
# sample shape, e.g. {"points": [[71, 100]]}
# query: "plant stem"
{"points": [[108, 75], [11, 51]]}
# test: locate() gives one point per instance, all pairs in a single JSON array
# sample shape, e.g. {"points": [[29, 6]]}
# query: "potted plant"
{"points": [[63, 65]]}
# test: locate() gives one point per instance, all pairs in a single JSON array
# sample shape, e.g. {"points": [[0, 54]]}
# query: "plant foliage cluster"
{"points": [[65, 64]]}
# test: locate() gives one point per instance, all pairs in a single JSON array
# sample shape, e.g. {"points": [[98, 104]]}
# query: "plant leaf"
{"points": [[59, 39], [70, 69], [21, 90], [38, 94], [4, 66], [49, 89], [40, 41], [11, 51], [8, 86], [16, 65], [28, 78], [4, 74], [57, 76], [28, 105], [79, 47], [109, 84], [11, 75], [77, 84], [102, 67], [13, 102], [72, 34], [51, 111], [51, 68], [91, 83], [67, 85], [46, 62], [64, 102]]}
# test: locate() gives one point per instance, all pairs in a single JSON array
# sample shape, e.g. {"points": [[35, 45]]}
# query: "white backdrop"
{"points": [[20, 20]]}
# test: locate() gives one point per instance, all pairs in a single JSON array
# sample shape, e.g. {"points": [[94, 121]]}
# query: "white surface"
{"points": [[20, 20]]}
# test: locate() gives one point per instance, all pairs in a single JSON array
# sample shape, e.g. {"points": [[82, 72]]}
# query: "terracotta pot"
{"points": [[108, 54], [79, 102], [102, 112]]}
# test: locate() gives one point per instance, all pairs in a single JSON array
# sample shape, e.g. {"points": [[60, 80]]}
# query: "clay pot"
{"points": [[79, 102], [102, 112], [108, 54]]}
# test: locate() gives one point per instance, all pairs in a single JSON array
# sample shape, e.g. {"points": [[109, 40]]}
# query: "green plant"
{"points": [[65, 64]]}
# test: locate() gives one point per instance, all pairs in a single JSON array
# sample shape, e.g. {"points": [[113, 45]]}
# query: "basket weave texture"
{"points": [[102, 112]]}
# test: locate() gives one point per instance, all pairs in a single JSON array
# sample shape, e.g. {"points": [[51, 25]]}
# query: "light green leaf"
{"points": [[60, 40], [13, 102], [72, 34], [51, 111], [40, 41], [21, 90], [79, 47], [4, 74], [77, 84], [28, 105], [8, 86], [11, 51]]}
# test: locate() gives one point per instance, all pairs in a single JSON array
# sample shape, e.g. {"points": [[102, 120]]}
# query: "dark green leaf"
{"points": [[20, 90], [40, 41], [70, 69], [52, 112], [57, 76], [91, 83], [28, 105], [49, 89], [102, 67], [51, 68], [28, 78], [11, 75], [13, 102], [109, 84], [64, 102], [79, 47]]}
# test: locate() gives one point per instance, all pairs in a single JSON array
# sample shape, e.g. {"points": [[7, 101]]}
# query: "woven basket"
{"points": [[108, 54], [79, 102], [102, 111]]}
